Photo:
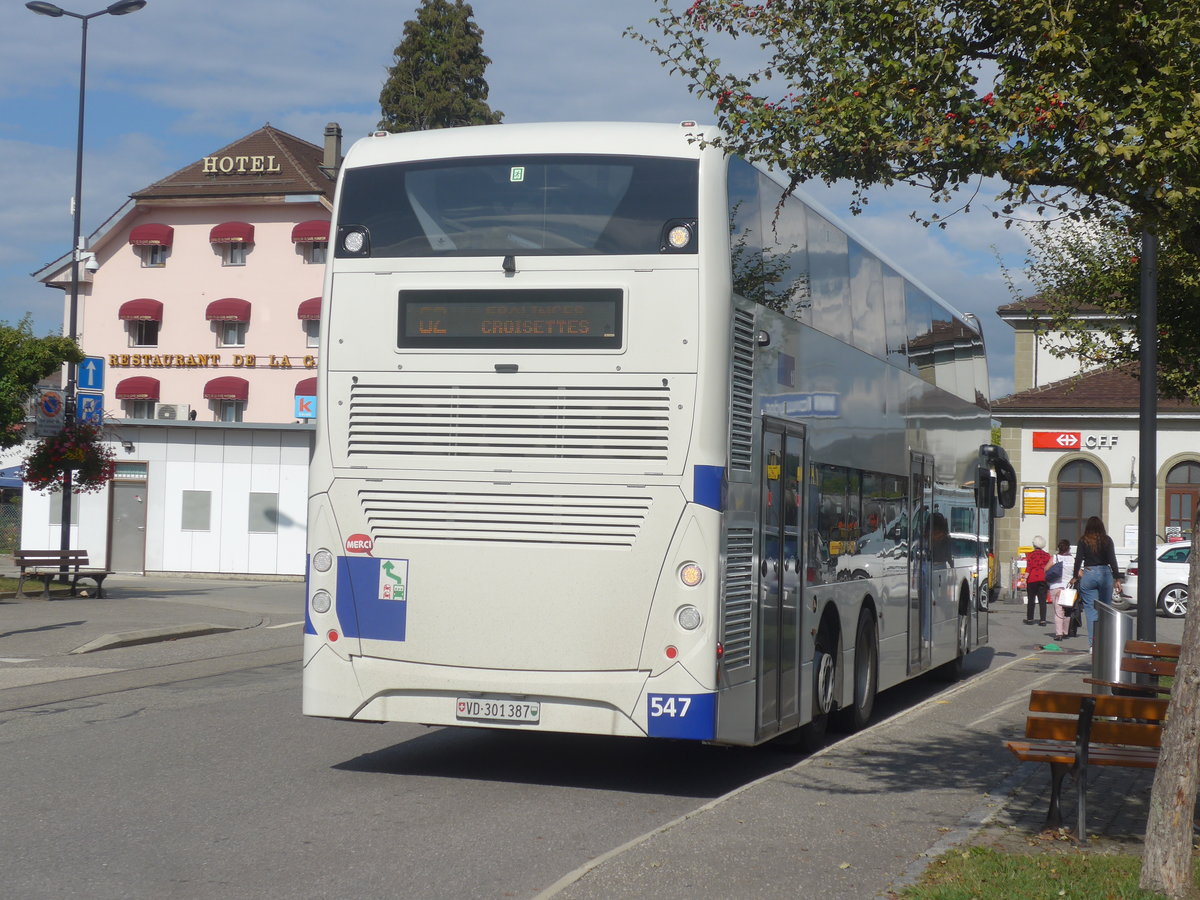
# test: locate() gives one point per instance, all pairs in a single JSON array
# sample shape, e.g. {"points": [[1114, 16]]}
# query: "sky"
{"points": [[180, 79]]}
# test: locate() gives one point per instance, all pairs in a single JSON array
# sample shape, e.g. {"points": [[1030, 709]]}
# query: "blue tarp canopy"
{"points": [[11, 478]]}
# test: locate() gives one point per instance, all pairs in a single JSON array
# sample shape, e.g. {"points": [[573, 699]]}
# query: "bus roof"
{"points": [[621, 138]]}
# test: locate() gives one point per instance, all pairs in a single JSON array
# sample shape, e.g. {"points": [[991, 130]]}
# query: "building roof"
{"points": [[1038, 307], [267, 162], [1115, 389]]}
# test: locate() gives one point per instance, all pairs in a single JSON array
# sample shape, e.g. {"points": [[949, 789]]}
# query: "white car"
{"points": [[1171, 581]]}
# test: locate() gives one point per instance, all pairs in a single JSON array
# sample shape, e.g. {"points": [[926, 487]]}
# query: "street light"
{"points": [[121, 8]]}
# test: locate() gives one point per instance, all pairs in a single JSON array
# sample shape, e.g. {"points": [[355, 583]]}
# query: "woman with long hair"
{"points": [[1096, 571]]}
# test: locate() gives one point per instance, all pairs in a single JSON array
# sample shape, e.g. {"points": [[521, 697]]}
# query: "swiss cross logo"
{"points": [[1056, 440], [359, 543]]}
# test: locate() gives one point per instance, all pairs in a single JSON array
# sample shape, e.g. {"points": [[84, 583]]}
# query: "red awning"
{"points": [[140, 387], [152, 235], [228, 387], [232, 233], [229, 309], [306, 388], [310, 309], [310, 232], [141, 310]]}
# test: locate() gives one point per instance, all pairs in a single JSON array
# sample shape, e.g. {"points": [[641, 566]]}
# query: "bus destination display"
{"points": [[533, 318]]}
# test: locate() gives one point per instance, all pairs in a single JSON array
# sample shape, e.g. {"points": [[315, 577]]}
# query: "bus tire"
{"points": [[866, 677], [955, 669]]}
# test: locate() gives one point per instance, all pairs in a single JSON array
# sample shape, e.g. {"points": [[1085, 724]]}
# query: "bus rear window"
{"points": [[519, 205], [536, 318]]}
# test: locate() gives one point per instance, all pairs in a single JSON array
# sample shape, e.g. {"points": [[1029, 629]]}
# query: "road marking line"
{"points": [[287, 624]]}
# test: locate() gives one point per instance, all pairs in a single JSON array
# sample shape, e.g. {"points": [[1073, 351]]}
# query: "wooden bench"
{"points": [[49, 564], [1072, 731], [1154, 658]]}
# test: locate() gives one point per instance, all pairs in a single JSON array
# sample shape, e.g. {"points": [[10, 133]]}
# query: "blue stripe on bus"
{"points": [[360, 611], [706, 486], [688, 716], [308, 625]]}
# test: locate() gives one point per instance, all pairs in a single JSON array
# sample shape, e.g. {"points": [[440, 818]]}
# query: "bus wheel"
{"points": [[954, 670], [810, 737], [982, 597], [866, 673]]}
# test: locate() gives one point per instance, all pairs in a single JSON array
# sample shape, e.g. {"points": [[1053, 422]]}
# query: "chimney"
{"points": [[333, 149]]}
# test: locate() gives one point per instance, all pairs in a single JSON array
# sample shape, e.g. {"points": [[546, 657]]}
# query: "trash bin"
{"points": [[1113, 629]]}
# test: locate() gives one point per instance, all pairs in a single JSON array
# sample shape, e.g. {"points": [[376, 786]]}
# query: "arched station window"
{"points": [[1183, 495], [1080, 496]]}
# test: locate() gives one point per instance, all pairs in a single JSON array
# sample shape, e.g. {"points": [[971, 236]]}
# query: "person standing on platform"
{"points": [[1035, 580], [1062, 614], [1096, 571]]}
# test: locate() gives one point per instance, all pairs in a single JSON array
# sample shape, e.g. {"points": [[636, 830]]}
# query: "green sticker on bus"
{"points": [[517, 173]]}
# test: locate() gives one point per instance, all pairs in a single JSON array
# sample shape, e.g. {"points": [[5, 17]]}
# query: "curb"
{"points": [[154, 635]]}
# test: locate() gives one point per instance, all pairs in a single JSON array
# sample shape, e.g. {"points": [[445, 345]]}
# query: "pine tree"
{"points": [[437, 80]]}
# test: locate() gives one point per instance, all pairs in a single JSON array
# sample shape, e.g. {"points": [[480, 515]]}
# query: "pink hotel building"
{"points": [[202, 296]]}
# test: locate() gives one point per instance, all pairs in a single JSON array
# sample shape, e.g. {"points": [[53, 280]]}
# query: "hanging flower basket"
{"points": [[78, 449]]}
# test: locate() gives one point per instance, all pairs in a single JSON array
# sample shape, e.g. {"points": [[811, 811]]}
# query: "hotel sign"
{"points": [[240, 165]]}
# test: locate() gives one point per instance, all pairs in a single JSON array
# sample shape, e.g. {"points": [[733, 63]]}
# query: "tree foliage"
{"points": [[437, 78], [1075, 108], [1076, 267], [25, 360], [1066, 105]]}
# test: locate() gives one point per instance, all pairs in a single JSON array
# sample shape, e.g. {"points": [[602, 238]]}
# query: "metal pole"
{"points": [[73, 308], [1147, 599]]}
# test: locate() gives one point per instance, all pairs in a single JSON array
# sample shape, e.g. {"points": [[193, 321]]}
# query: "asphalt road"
{"points": [[186, 770]]}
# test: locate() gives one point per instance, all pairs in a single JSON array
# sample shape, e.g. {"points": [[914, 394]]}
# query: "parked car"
{"points": [[1171, 579]]}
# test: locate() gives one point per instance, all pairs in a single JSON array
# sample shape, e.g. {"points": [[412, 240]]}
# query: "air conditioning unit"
{"points": [[172, 411]]}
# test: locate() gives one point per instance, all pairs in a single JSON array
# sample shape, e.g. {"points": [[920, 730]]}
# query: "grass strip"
{"points": [[981, 873]]}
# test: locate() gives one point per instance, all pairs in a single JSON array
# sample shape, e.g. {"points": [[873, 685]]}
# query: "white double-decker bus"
{"points": [[612, 441]]}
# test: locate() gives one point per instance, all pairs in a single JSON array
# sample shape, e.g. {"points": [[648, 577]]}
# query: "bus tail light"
{"points": [[688, 618], [672, 651], [691, 574], [322, 560]]}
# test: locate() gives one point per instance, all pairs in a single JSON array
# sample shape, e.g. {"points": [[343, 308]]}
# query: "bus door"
{"points": [[781, 580], [920, 563]]}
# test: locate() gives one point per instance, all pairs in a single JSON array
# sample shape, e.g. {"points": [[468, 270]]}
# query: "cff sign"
{"points": [[1057, 440]]}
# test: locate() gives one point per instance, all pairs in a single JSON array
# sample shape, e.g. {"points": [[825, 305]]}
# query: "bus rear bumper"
{"points": [[624, 703]]}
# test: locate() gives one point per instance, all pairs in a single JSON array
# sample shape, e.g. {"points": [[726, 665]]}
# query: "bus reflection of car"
{"points": [[875, 554], [969, 553]]}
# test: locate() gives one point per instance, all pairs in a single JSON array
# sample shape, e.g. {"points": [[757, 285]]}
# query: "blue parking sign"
{"points": [[89, 408]]}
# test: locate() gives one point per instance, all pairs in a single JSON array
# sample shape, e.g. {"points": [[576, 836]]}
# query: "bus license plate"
{"points": [[481, 709]]}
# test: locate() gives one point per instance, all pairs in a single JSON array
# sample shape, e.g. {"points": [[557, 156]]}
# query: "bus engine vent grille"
{"points": [[741, 393], [739, 598], [577, 422], [510, 517]]}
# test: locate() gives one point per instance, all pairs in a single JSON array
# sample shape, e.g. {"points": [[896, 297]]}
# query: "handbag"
{"points": [[1054, 573], [1067, 597]]}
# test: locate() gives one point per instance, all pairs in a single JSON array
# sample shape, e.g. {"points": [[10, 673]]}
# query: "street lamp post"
{"points": [[120, 8]]}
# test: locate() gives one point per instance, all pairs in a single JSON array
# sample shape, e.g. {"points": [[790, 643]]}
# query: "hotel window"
{"points": [[143, 334], [312, 332], [317, 251], [154, 256], [230, 410], [231, 334], [139, 409], [234, 254]]}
